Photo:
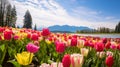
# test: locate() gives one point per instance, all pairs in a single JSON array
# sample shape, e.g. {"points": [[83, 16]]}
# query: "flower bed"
{"points": [[26, 47]]}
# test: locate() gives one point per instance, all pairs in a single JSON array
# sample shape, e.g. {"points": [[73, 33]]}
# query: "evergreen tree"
{"points": [[27, 20], [117, 28], [35, 27], [13, 16], [3, 10], [8, 16]]}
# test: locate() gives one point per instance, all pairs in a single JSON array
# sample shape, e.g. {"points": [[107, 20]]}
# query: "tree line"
{"points": [[8, 14], [102, 30]]}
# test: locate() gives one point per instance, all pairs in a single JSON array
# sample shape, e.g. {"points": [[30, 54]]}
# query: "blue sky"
{"points": [[90, 13]]}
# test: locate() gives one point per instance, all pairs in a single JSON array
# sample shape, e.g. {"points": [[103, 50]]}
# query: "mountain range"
{"points": [[67, 28]]}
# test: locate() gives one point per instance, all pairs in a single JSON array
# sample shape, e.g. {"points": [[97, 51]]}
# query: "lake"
{"points": [[102, 35]]}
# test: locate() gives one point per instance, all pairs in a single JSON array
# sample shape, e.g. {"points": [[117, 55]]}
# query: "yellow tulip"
{"points": [[48, 41], [24, 58]]}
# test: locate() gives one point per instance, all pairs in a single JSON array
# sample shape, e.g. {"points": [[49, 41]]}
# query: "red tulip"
{"points": [[60, 47], [45, 32], [109, 61], [99, 46], [8, 35], [29, 35], [66, 60], [34, 36], [107, 45], [118, 47], [104, 40], [73, 41], [86, 43], [0, 38]]}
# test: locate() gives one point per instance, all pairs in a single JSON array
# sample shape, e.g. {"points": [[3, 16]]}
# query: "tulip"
{"points": [[8, 35], [45, 65], [66, 60], [16, 37], [32, 48], [0, 38], [73, 41], [80, 43], [36, 43], [104, 40], [56, 64], [99, 46], [24, 58], [48, 41], [113, 46], [34, 36], [107, 45], [101, 54], [84, 52], [77, 60], [45, 32], [109, 53], [60, 47], [109, 61], [29, 35]]}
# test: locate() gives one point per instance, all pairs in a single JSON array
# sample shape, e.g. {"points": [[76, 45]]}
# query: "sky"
{"points": [[90, 13]]}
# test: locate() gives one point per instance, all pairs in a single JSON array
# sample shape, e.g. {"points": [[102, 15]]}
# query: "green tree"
{"points": [[27, 20], [7, 13], [3, 11], [117, 28], [35, 27], [13, 16], [8, 16]]}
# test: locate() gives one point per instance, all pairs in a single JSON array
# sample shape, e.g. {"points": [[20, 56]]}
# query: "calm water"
{"points": [[102, 35]]}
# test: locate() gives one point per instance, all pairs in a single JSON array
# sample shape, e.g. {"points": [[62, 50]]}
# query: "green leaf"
{"points": [[2, 47], [15, 63], [0, 65]]}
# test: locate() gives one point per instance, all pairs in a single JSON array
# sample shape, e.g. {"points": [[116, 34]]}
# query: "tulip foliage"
{"points": [[27, 47]]}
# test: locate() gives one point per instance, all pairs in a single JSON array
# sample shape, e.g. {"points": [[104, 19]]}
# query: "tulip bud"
{"points": [[109, 61], [80, 43], [73, 41], [77, 60], [44, 65], [56, 65], [84, 51], [60, 47], [66, 60]]}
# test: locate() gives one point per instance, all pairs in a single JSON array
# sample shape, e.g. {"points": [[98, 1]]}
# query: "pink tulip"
{"points": [[73, 41], [99, 46], [16, 37], [32, 48], [77, 60], [60, 47], [45, 65], [56, 64]]}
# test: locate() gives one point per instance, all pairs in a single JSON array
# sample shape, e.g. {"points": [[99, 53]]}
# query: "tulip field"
{"points": [[31, 48]]}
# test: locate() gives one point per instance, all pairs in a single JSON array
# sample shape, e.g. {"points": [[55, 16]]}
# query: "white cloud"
{"points": [[48, 12]]}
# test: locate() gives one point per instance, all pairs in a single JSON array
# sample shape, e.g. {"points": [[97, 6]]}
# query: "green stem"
{"points": [[4, 53]]}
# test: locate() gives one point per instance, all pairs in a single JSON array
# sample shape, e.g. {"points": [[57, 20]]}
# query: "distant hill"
{"points": [[67, 28]]}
